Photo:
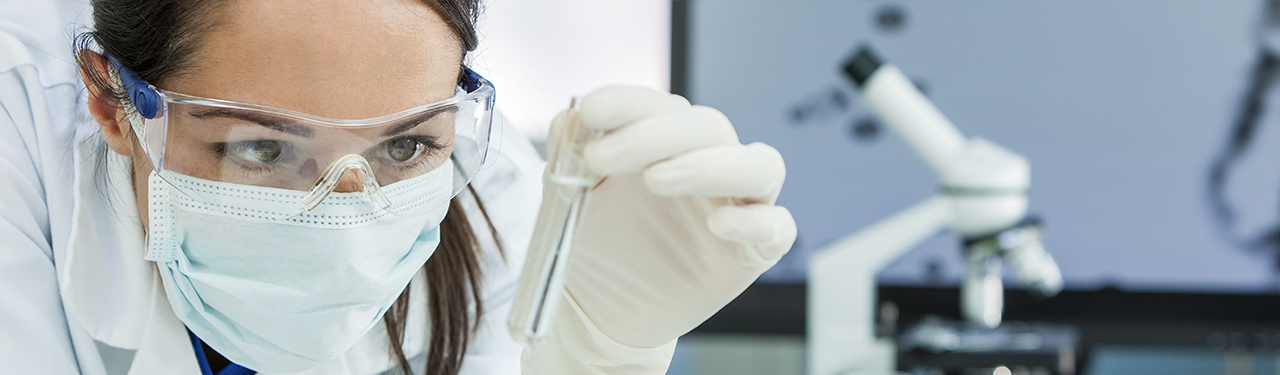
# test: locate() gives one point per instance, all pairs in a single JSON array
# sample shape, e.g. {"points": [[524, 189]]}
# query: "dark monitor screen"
{"points": [[1125, 110]]}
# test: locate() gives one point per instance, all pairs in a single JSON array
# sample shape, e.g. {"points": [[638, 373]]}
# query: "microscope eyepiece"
{"points": [[863, 64]]}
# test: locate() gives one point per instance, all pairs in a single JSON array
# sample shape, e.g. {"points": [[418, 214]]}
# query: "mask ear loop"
{"points": [[333, 174]]}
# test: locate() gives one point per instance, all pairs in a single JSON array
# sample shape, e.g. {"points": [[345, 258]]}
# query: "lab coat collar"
{"points": [[110, 290]]}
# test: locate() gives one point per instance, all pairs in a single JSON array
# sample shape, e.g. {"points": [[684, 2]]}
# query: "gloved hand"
{"points": [[682, 222]]}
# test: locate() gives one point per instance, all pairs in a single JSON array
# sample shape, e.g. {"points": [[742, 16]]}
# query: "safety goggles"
{"points": [[197, 144]]}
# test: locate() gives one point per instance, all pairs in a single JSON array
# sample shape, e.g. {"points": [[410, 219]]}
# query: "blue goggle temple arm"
{"points": [[470, 80], [144, 96]]}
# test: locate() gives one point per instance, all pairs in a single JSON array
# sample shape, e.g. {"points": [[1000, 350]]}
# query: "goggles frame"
{"points": [[150, 102]]}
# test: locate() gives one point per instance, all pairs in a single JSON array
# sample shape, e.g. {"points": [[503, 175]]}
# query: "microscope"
{"points": [[983, 199]]}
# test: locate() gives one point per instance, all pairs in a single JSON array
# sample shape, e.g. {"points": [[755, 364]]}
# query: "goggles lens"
{"points": [[193, 142]]}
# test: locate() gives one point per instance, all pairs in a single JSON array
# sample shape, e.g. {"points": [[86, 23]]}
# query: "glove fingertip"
{"points": [[786, 225], [740, 224], [614, 106], [770, 229], [681, 100]]}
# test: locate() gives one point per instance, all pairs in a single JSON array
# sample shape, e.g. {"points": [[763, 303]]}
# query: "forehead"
{"points": [[333, 58]]}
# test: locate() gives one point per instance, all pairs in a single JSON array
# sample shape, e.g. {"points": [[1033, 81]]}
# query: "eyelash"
{"points": [[427, 142], [220, 149]]}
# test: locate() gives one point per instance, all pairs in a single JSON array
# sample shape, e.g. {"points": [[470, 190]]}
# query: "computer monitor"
{"points": [[1126, 110]]}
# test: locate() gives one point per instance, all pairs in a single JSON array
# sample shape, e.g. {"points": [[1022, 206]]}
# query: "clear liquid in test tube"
{"points": [[565, 185]]}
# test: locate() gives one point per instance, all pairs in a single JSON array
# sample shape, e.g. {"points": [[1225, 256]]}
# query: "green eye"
{"points": [[260, 151], [404, 149]]}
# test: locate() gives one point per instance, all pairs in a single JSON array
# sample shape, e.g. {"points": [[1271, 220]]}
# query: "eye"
{"points": [[404, 149], [260, 151]]}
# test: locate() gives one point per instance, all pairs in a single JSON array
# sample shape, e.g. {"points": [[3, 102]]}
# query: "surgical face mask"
{"points": [[278, 291]]}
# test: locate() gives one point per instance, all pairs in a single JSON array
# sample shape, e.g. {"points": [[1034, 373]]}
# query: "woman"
{"points": [[317, 187]]}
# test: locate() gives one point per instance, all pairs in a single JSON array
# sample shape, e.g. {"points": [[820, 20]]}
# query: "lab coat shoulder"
{"points": [[37, 131]]}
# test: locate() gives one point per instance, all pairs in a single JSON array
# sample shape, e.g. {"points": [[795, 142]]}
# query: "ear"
{"points": [[104, 105]]}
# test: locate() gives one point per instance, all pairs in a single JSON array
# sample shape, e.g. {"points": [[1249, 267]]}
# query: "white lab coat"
{"points": [[76, 296]]}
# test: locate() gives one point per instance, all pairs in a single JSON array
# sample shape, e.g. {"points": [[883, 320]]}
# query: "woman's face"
{"points": [[329, 58]]}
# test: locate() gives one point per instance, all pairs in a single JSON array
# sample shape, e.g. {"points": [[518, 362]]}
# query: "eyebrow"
{"points": [[268, 121], [412, 122], [288, 127]]}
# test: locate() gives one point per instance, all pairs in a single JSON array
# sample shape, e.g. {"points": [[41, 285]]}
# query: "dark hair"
{"points": [[157, 39]]}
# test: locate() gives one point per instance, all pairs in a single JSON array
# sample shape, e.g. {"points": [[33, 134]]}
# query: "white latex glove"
{"points": [[683, 221]]}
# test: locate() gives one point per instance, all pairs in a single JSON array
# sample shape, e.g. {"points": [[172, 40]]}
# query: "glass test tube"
{"points": [[565, 186]]}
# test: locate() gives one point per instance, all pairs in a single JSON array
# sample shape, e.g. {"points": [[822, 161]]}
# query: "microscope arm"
{"points": [[842, 290]]}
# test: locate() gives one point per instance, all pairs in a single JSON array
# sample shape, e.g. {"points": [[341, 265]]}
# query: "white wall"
{"points": [[539, 53]]}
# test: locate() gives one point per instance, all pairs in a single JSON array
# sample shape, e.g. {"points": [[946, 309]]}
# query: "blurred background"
{"points": [[1150, 125], [544, 52]]}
